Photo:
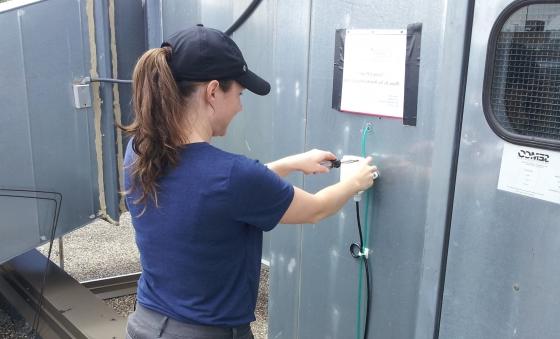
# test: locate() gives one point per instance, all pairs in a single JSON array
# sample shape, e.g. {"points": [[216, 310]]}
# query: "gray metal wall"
{"points": [[45, 143], [502, 278], [314, 280], [409, 201]]}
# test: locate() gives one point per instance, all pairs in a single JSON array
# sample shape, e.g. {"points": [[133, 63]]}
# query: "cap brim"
{"points": [[254, 83]]}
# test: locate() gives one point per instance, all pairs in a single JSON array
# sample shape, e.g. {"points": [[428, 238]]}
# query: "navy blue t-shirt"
{"points": [[201, 249]]}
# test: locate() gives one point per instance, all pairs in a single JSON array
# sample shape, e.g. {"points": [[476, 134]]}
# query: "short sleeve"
{"points": [[259, 197]]}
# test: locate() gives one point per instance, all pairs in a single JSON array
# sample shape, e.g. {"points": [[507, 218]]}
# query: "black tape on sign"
{"points": [[340, 37], [412, 71]]}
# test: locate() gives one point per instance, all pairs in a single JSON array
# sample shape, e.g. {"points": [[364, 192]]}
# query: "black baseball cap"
{"points": [[202, 54]]}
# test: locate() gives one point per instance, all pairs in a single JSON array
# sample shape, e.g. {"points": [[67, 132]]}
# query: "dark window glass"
{"points": [[525, 74]]}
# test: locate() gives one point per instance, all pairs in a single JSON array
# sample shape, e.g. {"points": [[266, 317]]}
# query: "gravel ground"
{"points": [[12, 326], [101, 250]]}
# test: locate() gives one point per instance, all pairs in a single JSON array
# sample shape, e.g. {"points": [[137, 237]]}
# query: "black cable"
{"points": [[238, 23], [357, 251], [58, 203], [243, 17], [359, 224], [366, 326]]}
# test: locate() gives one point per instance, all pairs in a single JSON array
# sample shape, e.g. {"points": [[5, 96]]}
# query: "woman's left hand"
{"points": [[310, 161]]}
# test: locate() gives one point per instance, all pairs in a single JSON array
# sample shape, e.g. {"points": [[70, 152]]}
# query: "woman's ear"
{"points": [[211, 90]]}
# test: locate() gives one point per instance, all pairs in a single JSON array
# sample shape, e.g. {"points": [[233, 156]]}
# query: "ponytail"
{"points": [[159, 126], [159, 122]]}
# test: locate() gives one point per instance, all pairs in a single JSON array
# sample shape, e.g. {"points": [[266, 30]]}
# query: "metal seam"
{"points": [[96, 108]]}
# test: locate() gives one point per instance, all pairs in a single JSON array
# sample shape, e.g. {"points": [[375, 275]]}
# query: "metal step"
{"points": [[113, 287], [69, 310]]}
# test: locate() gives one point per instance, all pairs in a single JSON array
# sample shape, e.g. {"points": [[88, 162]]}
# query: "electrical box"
{"points": [[82, 95]]}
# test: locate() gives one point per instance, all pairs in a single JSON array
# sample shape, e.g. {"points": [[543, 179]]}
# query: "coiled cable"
{"points": [[358, 251]]}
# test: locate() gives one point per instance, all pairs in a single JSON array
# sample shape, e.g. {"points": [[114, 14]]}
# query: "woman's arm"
{"points": [[308, 162], [307, 208], [282, 167]]}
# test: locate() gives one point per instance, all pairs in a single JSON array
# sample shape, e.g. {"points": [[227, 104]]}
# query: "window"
{"points": [[522, 80]]}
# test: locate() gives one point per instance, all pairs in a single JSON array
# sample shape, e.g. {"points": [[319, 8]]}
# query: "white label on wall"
{"points": [[374, 70], [531, 172]]}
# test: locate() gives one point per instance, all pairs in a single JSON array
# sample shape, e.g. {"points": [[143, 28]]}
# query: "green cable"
{"points": [[368, 129]]}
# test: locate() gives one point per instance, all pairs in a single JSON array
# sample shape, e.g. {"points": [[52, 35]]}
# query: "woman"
{"points": [[199, 212]]}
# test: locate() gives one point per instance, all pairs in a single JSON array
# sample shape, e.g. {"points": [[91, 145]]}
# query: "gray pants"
{"points": [[147, 324]]}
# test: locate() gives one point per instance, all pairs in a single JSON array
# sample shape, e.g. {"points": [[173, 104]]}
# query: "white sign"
{"points": [[531, 172], [374, 69]]}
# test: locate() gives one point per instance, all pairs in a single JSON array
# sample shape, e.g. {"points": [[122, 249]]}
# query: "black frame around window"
{"points": [[489, 76]]}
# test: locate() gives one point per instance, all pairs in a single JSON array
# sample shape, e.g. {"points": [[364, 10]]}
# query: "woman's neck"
{"points": [[194, 137], [199, 129]]}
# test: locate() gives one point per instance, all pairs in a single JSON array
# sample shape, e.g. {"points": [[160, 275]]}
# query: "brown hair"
{"points": [[158, 129]]}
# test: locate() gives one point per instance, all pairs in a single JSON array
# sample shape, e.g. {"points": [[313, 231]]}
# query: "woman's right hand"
{"points": [[364, 177], [307, 208]]}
